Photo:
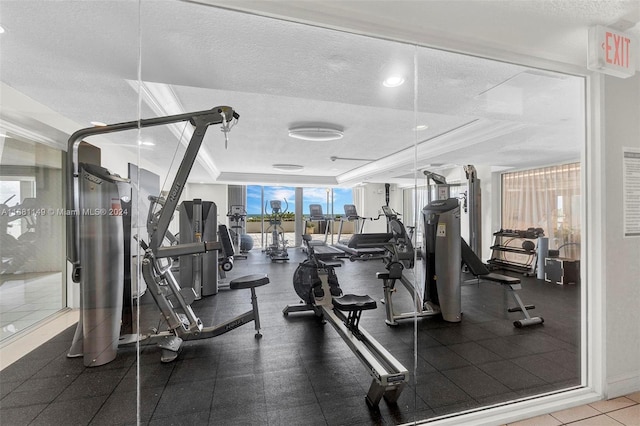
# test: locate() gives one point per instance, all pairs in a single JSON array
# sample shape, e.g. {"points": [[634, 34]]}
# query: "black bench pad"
{"points": [[352, 302], [502, 279], [249, 281]]}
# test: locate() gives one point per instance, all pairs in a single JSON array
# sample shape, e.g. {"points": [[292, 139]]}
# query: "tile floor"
{"points": [[301, 372]]}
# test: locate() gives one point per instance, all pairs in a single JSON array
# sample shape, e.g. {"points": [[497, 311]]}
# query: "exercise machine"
{"points": [[316, 283], [400, 257], [277, 249], [95, 250], [509, 284], [198, 222], [321, 249], [351, 215], [441, 257], [237, 216]]}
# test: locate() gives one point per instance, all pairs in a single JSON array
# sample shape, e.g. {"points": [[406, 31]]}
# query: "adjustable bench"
{"points": [[512, 284]]}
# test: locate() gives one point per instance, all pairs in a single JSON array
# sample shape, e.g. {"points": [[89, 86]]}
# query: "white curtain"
{"points": [[547, 198]]}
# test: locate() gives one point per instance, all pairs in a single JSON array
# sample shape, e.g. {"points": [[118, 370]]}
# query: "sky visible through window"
{"points": [[341, 197]]}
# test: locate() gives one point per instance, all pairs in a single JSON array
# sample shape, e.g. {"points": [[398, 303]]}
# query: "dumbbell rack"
{"points": [[515, 250]]}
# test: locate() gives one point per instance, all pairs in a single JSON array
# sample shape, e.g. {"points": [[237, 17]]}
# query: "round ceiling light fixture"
{"points": [[288, 167], [393, 81], [316, 134]]}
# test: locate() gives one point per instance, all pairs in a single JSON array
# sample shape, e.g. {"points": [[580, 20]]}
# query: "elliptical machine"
{"points": [[277, 249]]}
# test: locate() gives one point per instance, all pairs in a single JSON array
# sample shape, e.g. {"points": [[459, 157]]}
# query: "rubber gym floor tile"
{"points": [[121, 407], [544, 368], [308, 415], [59, 382], [474, 353], [8, 387], [18, 416], [349, 411], [238, 415], [230, 390], [448, 336], [61, 366], [188, 419], [30, 397], [149, 375], [185, 398], [506, 347], [92, 384], [22, 369], [183, 370], [475, 382], [511, 375], [69, 413], [442, 358], [437, 391]]}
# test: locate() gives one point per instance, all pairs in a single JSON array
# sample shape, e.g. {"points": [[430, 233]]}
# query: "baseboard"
{"points": [[623, 384]]}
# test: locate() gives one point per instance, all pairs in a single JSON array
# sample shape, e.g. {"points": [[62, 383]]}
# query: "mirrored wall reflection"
{"points": [[32, 232]]}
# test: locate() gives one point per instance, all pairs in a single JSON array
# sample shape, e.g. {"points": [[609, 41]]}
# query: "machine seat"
{"points": [[249, 281], [352, 302]]}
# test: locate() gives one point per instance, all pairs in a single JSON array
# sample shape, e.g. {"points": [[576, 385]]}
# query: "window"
{"points": [[547, 198]]}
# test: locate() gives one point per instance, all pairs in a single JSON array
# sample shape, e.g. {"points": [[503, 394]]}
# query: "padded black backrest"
{"points": [[225, 239], [472, 261]]}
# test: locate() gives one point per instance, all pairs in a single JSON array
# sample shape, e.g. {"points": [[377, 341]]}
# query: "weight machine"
{"points": [[95, 249]]}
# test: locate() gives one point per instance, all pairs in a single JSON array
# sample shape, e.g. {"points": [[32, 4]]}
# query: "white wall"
{"points": [[622, 258], [374, 199]]}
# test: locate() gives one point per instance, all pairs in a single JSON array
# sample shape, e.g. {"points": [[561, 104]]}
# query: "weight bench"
{"points": [[512, 284]]}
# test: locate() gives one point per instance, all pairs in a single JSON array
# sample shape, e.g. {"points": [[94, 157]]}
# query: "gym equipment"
{"points": [[100, 263], [95, 250], [361, 246], [237, 216], [197, 224], [475, 209], [511, 284], [441, 257], [400, 256], [321, 248], [316, 283], [351, 215], [516, 250], [277, 250], [365, 246]]}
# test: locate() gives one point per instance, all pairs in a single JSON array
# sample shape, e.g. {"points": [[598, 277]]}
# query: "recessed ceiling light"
{"points": [[98, 123], [2, 29], [288, 167], [316, 134], [146, 143], [393, 81], [421, 127]]}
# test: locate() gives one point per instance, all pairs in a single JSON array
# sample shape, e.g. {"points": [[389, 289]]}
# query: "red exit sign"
{"points": [[612, 52]]}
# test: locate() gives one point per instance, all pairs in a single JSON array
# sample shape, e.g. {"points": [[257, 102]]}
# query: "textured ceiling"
{"points": [[80, 59]]}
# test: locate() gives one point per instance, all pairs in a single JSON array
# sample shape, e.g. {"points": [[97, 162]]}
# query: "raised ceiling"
{"points": [[80, 60]]}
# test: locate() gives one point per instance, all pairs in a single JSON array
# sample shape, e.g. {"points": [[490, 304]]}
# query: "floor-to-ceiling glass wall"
{"points": [[439, 112], [33, 278]]}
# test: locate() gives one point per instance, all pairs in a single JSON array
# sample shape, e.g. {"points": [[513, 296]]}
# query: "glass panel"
{"points": [[32, 230], [493, 117]]}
